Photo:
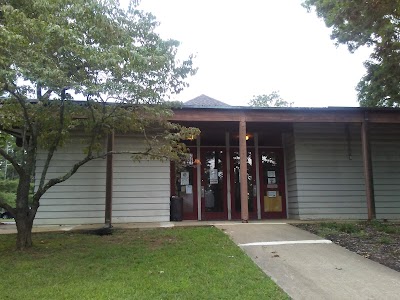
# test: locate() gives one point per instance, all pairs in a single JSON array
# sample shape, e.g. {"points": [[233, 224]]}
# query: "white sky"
{"points": [[246, 48]]}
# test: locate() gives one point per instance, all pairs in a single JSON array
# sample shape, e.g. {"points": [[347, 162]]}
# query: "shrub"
{"points": [[348, 228], [384, 227], [8, 186], [340, 227], [9, 198], [8, 191], [386, 240]]}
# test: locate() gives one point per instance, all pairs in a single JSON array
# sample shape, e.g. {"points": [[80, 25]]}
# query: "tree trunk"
{"points": [[24, 215], [24, 235]]}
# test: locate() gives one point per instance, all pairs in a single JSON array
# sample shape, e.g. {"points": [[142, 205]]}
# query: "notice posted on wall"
{"points": [[271, 194], [184, 178], [271, 174]]}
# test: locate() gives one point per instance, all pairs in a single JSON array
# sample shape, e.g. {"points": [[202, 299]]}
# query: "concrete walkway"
{"points": [[307, 267]]}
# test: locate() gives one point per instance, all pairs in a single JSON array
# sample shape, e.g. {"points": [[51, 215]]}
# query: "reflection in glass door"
{"points": [[213, 184], [235, 185]]}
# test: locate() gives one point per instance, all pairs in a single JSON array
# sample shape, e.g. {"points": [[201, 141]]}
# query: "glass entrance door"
{"points": [[184, 184], [188, 192], [235, 185], [273, 198], [213, 184]]}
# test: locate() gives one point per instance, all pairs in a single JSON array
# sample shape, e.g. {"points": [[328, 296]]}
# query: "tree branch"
{"points": [[7, 207], [91, 108], [96, 126], [38, 91], [12, 160], [22, 103], [57, 140], [46, 95], [54, 181], [41, 190]]}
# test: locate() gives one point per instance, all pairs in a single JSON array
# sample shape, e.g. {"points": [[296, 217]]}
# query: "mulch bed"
{"points": [[377, 241]]}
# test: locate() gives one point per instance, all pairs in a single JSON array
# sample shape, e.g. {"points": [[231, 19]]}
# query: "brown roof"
{"points": [[205, 101]]}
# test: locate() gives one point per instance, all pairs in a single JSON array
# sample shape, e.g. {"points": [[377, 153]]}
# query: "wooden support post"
{"points": [[228, 175], [109, 181], [369, 185], [258, 181], [198, 177], [243, 171]]}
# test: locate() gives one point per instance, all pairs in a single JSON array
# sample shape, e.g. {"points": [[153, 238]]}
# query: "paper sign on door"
{"points": [[189, 189], [184, 178], [213, 176]]}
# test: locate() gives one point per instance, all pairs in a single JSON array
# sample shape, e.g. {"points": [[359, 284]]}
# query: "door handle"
{"points": [[202, 191]]}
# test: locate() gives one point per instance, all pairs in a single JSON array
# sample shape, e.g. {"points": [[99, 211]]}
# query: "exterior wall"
{"points": [[291, 180], [385, 153], [80, 199], [140, 191], [324, 180]]}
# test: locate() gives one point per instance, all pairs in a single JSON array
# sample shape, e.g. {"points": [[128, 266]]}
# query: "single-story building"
{"points": [[248, 163]]}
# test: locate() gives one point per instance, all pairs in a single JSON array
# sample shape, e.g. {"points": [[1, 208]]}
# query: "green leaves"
{"points": [[269, 100], [54, 51], [90, 47], [375, 24]]}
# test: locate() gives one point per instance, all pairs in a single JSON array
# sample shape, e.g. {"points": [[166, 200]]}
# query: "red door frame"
{"points": [[237, 215], [213, 215], [281, 187]]}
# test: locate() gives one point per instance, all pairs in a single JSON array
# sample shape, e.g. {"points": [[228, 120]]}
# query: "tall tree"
{"points": [[373, 23], [269, 100], [111, 57]]}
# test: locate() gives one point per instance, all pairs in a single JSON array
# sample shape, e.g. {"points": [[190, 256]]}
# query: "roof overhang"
{"points": [[288, 115]]}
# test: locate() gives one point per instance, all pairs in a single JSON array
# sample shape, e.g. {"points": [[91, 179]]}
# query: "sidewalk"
{"points": [[308, 267]]}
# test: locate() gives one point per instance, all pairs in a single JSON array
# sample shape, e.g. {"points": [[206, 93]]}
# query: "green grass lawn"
{"points": [[170, 263]]}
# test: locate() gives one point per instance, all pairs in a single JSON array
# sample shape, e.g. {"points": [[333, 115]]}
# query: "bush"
{"points": [[8, 191], [384, 227], [8, 198], [348, 228], [340, 227], [8, 186]]}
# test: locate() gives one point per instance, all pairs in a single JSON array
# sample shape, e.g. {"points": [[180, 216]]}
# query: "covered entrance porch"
{"points": [[211, 182]]}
